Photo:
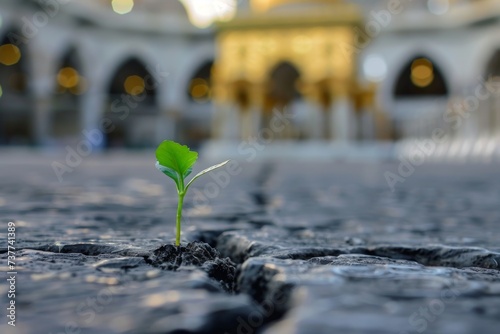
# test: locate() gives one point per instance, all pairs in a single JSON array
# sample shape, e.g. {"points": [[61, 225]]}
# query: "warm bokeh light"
{"points": [[68, 77], [202, 12], [422, 72], [1, 91], [134, 85], [9, 54], [123, 6], [261, 5], [199, 88]]}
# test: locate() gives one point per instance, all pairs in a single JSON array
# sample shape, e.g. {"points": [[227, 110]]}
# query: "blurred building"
{"points": [[144, 70], [69, 66]]}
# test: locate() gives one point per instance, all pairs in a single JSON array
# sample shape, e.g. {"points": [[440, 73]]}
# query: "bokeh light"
{"points": [[134, 85], [202, 13], [68, 77], [422, 72], [438, 7], [261, 5], [1, 91], [375, 68], [199, 89], [122, 6], [9, 54]]}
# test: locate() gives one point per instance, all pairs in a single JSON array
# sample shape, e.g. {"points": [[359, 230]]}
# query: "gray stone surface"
{"points": [[282, 247]]}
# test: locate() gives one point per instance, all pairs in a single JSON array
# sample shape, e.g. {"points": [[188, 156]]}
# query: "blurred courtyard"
{"points": [[362, 193]]}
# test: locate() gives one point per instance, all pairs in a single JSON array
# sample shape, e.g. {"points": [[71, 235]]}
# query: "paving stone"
{"points": [[359, 294], [283, 247]]}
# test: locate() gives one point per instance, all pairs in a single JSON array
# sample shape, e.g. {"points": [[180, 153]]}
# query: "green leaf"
{"points": [[208, 170], [176, 157], [189, 171], [169, 172]]}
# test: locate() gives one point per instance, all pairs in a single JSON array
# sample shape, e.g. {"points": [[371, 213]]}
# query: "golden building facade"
{"points": [[286, 56]]}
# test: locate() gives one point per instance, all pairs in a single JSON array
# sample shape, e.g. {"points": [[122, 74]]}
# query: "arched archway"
{"points": [[282, 91], [193, 130], [132, 106], [282, 87], [16, 100], [200, 85], [69, 85], [420, 95], [420, 77]]}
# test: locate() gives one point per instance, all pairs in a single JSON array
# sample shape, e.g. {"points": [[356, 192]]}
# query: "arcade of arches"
{"points": [[269, 63], [132, 106]]}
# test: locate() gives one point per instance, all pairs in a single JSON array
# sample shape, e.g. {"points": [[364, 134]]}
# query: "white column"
{"points": [[250, 121], [92, 117], [495, 105], [367, 124], [256, 112], [315, 122], [42, 109], [290, 127], [492, 105], [246, 123], [42, 84], [342, 119], [42, 81], [166, 125], [467, 126], [485, 126], [226, 122]]}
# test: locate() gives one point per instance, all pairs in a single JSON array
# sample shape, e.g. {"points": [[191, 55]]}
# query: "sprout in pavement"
{"points": [[176, 161]]}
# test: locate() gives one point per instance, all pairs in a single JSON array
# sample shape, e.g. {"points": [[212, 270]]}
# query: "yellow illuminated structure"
{"points": [[285, 53]]}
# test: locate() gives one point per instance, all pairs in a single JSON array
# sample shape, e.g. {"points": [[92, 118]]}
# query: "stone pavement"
{"points": [[278, 247]]}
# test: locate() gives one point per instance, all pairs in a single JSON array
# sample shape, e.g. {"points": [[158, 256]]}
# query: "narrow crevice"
{"points": [[260, 198], [257, 282], [273, 304], [229, 276], [264, 174]]}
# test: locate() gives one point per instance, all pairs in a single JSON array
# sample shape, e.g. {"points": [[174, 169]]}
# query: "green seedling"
{"points": [[176, 161]]}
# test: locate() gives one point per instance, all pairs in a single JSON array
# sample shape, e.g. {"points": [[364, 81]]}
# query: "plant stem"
{"points": [[178, 221]]}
